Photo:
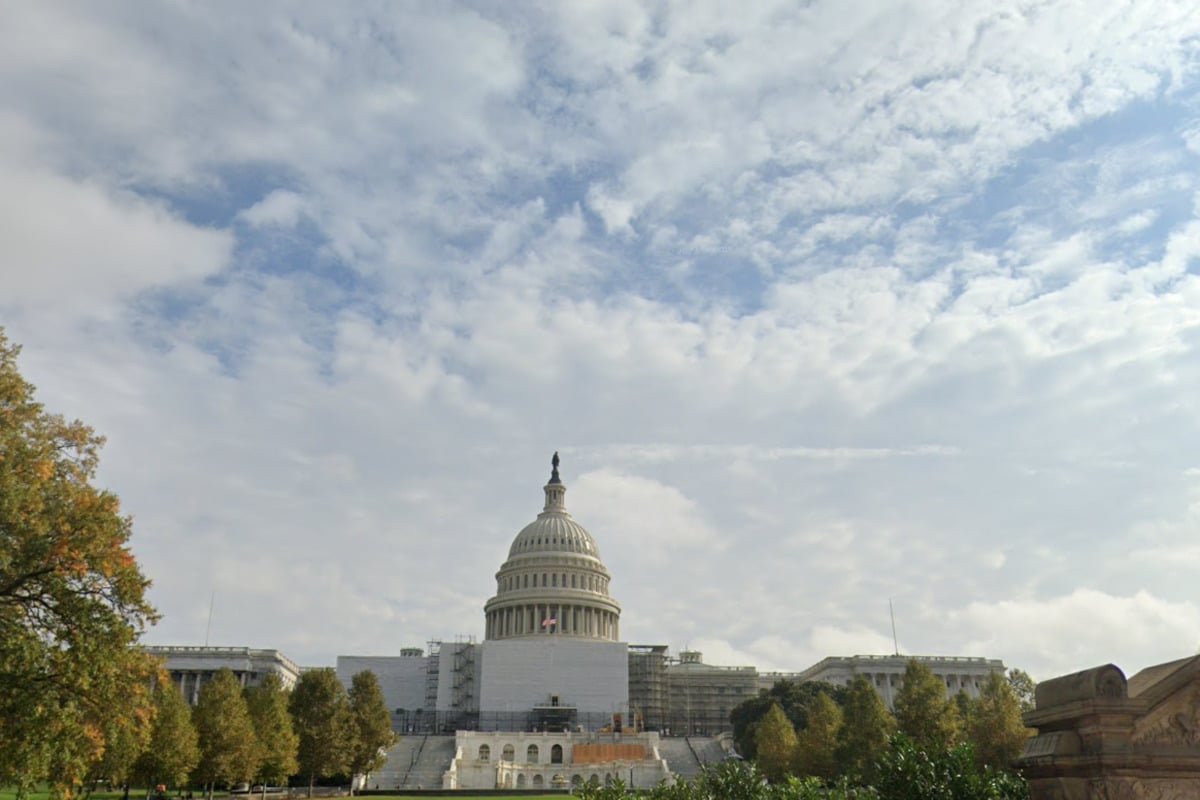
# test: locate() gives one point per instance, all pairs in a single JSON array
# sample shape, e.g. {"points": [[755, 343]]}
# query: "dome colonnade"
{"points": [[553, 583]]}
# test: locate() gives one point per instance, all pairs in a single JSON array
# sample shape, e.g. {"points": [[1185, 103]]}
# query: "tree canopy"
{"points": [[793, 698], [173, 750], [72, 599], [1024, 687], [994, 723], [322, 718], [775, 744], [923, 711], [371, 724], [866, 726], [273, 730], [816, 745], [228, 747]]}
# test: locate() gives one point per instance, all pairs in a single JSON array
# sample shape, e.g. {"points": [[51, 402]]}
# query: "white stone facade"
{"points": [[191, 667], [548, 761], [589, 677], [886, 673]]}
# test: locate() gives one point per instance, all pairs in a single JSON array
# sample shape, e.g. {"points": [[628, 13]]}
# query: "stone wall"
{"points": [[1102, 737]]}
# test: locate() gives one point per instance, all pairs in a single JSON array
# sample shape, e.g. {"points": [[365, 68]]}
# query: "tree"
{"points": [[866, 726], [322, 719], [994, 725], [371, 725], [923, 712], [124, 742], [72, 598], [273, 730], [908, 771], [1024, 687], [795, 700], [228, 748], [775, 744], [816, 745], [174, 749]]}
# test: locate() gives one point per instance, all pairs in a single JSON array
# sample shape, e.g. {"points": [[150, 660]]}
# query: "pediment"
{"points": [[1169, 695]]}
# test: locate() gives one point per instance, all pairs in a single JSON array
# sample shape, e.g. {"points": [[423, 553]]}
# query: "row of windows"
{"points": [[531, 754], [588, 582], [577, 541]]}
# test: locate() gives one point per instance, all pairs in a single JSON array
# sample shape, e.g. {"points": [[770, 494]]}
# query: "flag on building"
{"points": [[548, 621]]}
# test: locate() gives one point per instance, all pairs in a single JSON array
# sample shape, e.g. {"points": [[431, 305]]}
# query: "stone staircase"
{"points": [[688, 755], [416, 761], [680, 757]]}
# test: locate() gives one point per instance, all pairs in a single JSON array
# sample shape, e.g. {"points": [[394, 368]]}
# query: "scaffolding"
{"points": [[432, 667], [648, 686], [700, 697], [463, 698]]}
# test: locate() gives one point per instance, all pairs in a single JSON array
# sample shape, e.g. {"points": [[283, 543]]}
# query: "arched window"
{"points": [[538, 782], [508, 754], [572, 580], [485, 753], [554, 580], [594, 780], [577, 780], [521, 781], [544, 580], [526, 582], [556, 754], [531, 755]]}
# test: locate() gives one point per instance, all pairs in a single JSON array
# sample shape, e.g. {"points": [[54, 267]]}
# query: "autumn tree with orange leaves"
{"points": [[72, 600]]}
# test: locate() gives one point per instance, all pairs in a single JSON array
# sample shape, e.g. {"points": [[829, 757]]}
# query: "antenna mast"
{"points": [[892, 611], [208, 629]]}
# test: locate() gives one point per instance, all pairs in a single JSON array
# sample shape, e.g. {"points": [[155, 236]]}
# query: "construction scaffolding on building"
{"points": [[648, 686], [700, 697], [463, 700]]}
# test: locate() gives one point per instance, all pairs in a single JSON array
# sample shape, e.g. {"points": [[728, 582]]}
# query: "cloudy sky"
{"points": [[822, 304]]}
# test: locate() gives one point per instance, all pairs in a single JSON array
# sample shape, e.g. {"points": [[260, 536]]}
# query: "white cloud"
{"points": [[78, 245], [822, 305], [280, 207], [1082, 629]]}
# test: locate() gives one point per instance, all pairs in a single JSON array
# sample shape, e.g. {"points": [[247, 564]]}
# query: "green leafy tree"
{"points": [[816, 745], [273, 730], [371, 725], [923, 712], [123, 744], [794, 698], [994, 726], [909, 771], [1024, 687], [228, 747], [322, 718], [173, 750], [72, 599], [866, 726], [775, 744]]}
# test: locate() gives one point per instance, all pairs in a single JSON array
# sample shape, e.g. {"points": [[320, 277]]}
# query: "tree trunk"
{"points": [[310, 784]]}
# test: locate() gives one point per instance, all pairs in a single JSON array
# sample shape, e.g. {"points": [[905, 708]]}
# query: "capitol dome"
{"points": [[553, 583]]}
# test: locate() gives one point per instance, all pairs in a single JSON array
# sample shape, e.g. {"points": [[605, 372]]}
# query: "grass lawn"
{"points": [[140, 794]]}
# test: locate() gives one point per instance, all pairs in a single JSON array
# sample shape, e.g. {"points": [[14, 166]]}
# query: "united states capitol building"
{"points": [[551, 696]]}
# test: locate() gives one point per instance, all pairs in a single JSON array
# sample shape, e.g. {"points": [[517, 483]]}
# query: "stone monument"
{"points": [[1102, 737]]}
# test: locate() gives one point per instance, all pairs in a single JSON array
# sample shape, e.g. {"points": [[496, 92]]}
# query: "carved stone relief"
{"points": [[1177, 722]]}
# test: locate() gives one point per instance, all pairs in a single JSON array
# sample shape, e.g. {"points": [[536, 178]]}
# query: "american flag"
{"points": [[548, 621]]}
